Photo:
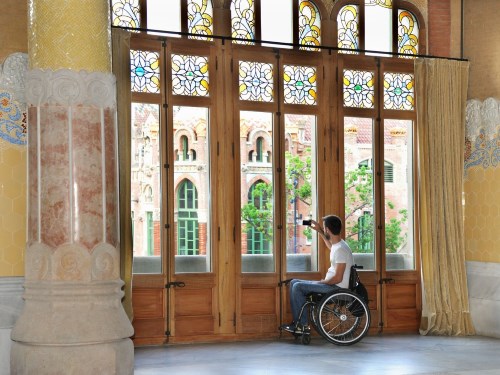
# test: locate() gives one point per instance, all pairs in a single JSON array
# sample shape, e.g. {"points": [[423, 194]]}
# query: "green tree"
{"points": [[359, 229], [257, 213]]}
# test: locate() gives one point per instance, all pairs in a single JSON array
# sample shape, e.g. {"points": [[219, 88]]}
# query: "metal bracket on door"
{"points": [[180, 284], [284, 282], [387, 280]]}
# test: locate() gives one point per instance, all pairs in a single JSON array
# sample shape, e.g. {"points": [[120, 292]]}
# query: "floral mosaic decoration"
{"points": [[482, 140], [13, 117]]}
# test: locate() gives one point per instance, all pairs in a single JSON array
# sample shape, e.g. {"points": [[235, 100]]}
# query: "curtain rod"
{"points": [[330, 48]]}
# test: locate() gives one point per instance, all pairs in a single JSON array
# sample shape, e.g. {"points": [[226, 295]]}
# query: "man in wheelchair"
{"points": [[341, 260]]}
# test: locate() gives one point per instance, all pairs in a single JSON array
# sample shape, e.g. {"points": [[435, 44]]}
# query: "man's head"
{"points": [[333, 224]]}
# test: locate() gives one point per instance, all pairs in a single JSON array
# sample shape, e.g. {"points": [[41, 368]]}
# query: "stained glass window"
{"points": [[407, 33], [309, 25], [145, 71], [200, 18], [299, 84], [358, 89], [126, 13], [243, 21], [189, 75], [348, 28], [256, 81], [398, 91]]}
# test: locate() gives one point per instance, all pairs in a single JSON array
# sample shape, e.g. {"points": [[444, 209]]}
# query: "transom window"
{"points": [[381, 26]]}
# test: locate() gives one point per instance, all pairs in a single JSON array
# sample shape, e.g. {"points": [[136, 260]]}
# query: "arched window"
{"points": [[299, 22], [166, 15], [258, 226], [185, 146], [148, 194], [378, 25], [243, 21], [187, 221], [259, 146]]}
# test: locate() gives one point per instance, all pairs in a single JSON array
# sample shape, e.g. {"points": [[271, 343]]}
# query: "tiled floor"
{"points": [[398, 355]]}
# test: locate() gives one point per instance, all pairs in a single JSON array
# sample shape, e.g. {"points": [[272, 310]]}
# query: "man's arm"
{"points": [[339, 275]]}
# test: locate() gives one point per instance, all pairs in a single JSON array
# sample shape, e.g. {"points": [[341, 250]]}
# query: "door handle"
{"points": [[180, 284], [387, 280]]}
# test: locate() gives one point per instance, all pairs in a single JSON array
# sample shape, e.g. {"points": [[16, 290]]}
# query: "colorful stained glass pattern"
{"points": [[145, 71], [398, 91], [126, 13], [358, 89], [190, 75], [200, 18], [12, 120], [408, 32], [348, 28], [299, 84], [309, 25], [380, 3], [256, 81], [243, 21]]}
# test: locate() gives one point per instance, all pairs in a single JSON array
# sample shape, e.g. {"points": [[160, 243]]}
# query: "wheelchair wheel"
{"points": [[306, 339], [343, 318]]}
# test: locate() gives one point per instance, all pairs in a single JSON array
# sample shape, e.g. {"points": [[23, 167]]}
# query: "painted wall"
{"points": [[482, 164], [14, 21], [482, 169], [482, 47], [12, 144]]}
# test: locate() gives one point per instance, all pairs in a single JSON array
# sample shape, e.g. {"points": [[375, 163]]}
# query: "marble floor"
{"points": [[388, 355]]}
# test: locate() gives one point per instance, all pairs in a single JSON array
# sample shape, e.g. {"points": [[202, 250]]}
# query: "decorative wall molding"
{"points": [[13, 75], [68, 88], [11, 304], [484, 297], [482, 134], [72, 262]]}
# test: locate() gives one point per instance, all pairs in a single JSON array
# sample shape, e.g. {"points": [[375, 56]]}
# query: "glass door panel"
{"points": [[192, 189], [300, 197], [256, 148], [358, 184], [145, 188], [398, 190]]}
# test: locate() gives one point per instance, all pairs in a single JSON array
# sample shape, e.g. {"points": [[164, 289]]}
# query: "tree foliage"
{"points": [[358, 187]]}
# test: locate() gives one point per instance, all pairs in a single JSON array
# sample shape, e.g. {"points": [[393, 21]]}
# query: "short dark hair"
{"points": [[333, 223]]}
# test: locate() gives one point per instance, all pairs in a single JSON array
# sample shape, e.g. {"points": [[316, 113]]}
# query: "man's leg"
{"points": [[299, 292]]}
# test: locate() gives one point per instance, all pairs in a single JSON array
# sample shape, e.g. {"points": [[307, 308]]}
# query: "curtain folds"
{"points": [[441, 91], [121, 70]]}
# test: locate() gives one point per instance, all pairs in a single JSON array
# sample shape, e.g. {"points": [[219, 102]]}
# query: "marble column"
{"points": [[73, 321]]}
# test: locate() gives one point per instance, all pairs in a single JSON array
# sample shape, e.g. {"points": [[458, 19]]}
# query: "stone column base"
{"points": [[103, 359]]}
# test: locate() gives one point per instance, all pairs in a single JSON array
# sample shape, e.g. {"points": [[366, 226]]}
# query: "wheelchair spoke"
{"points": [[342, 318]]}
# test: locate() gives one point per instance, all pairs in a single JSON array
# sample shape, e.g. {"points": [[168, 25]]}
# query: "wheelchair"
{"points": [[342, 316]]}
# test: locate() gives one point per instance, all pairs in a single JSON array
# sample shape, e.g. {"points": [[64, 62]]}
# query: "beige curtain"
{"points": [[121, 70], [441, 91]]}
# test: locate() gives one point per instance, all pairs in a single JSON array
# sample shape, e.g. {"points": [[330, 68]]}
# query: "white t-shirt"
{"points": [[340, 253]]}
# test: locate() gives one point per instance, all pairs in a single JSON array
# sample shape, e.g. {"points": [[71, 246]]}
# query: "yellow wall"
{"points": [[482, 184], [482, 210], [12, 208], [13, 19], [482, 47]]}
